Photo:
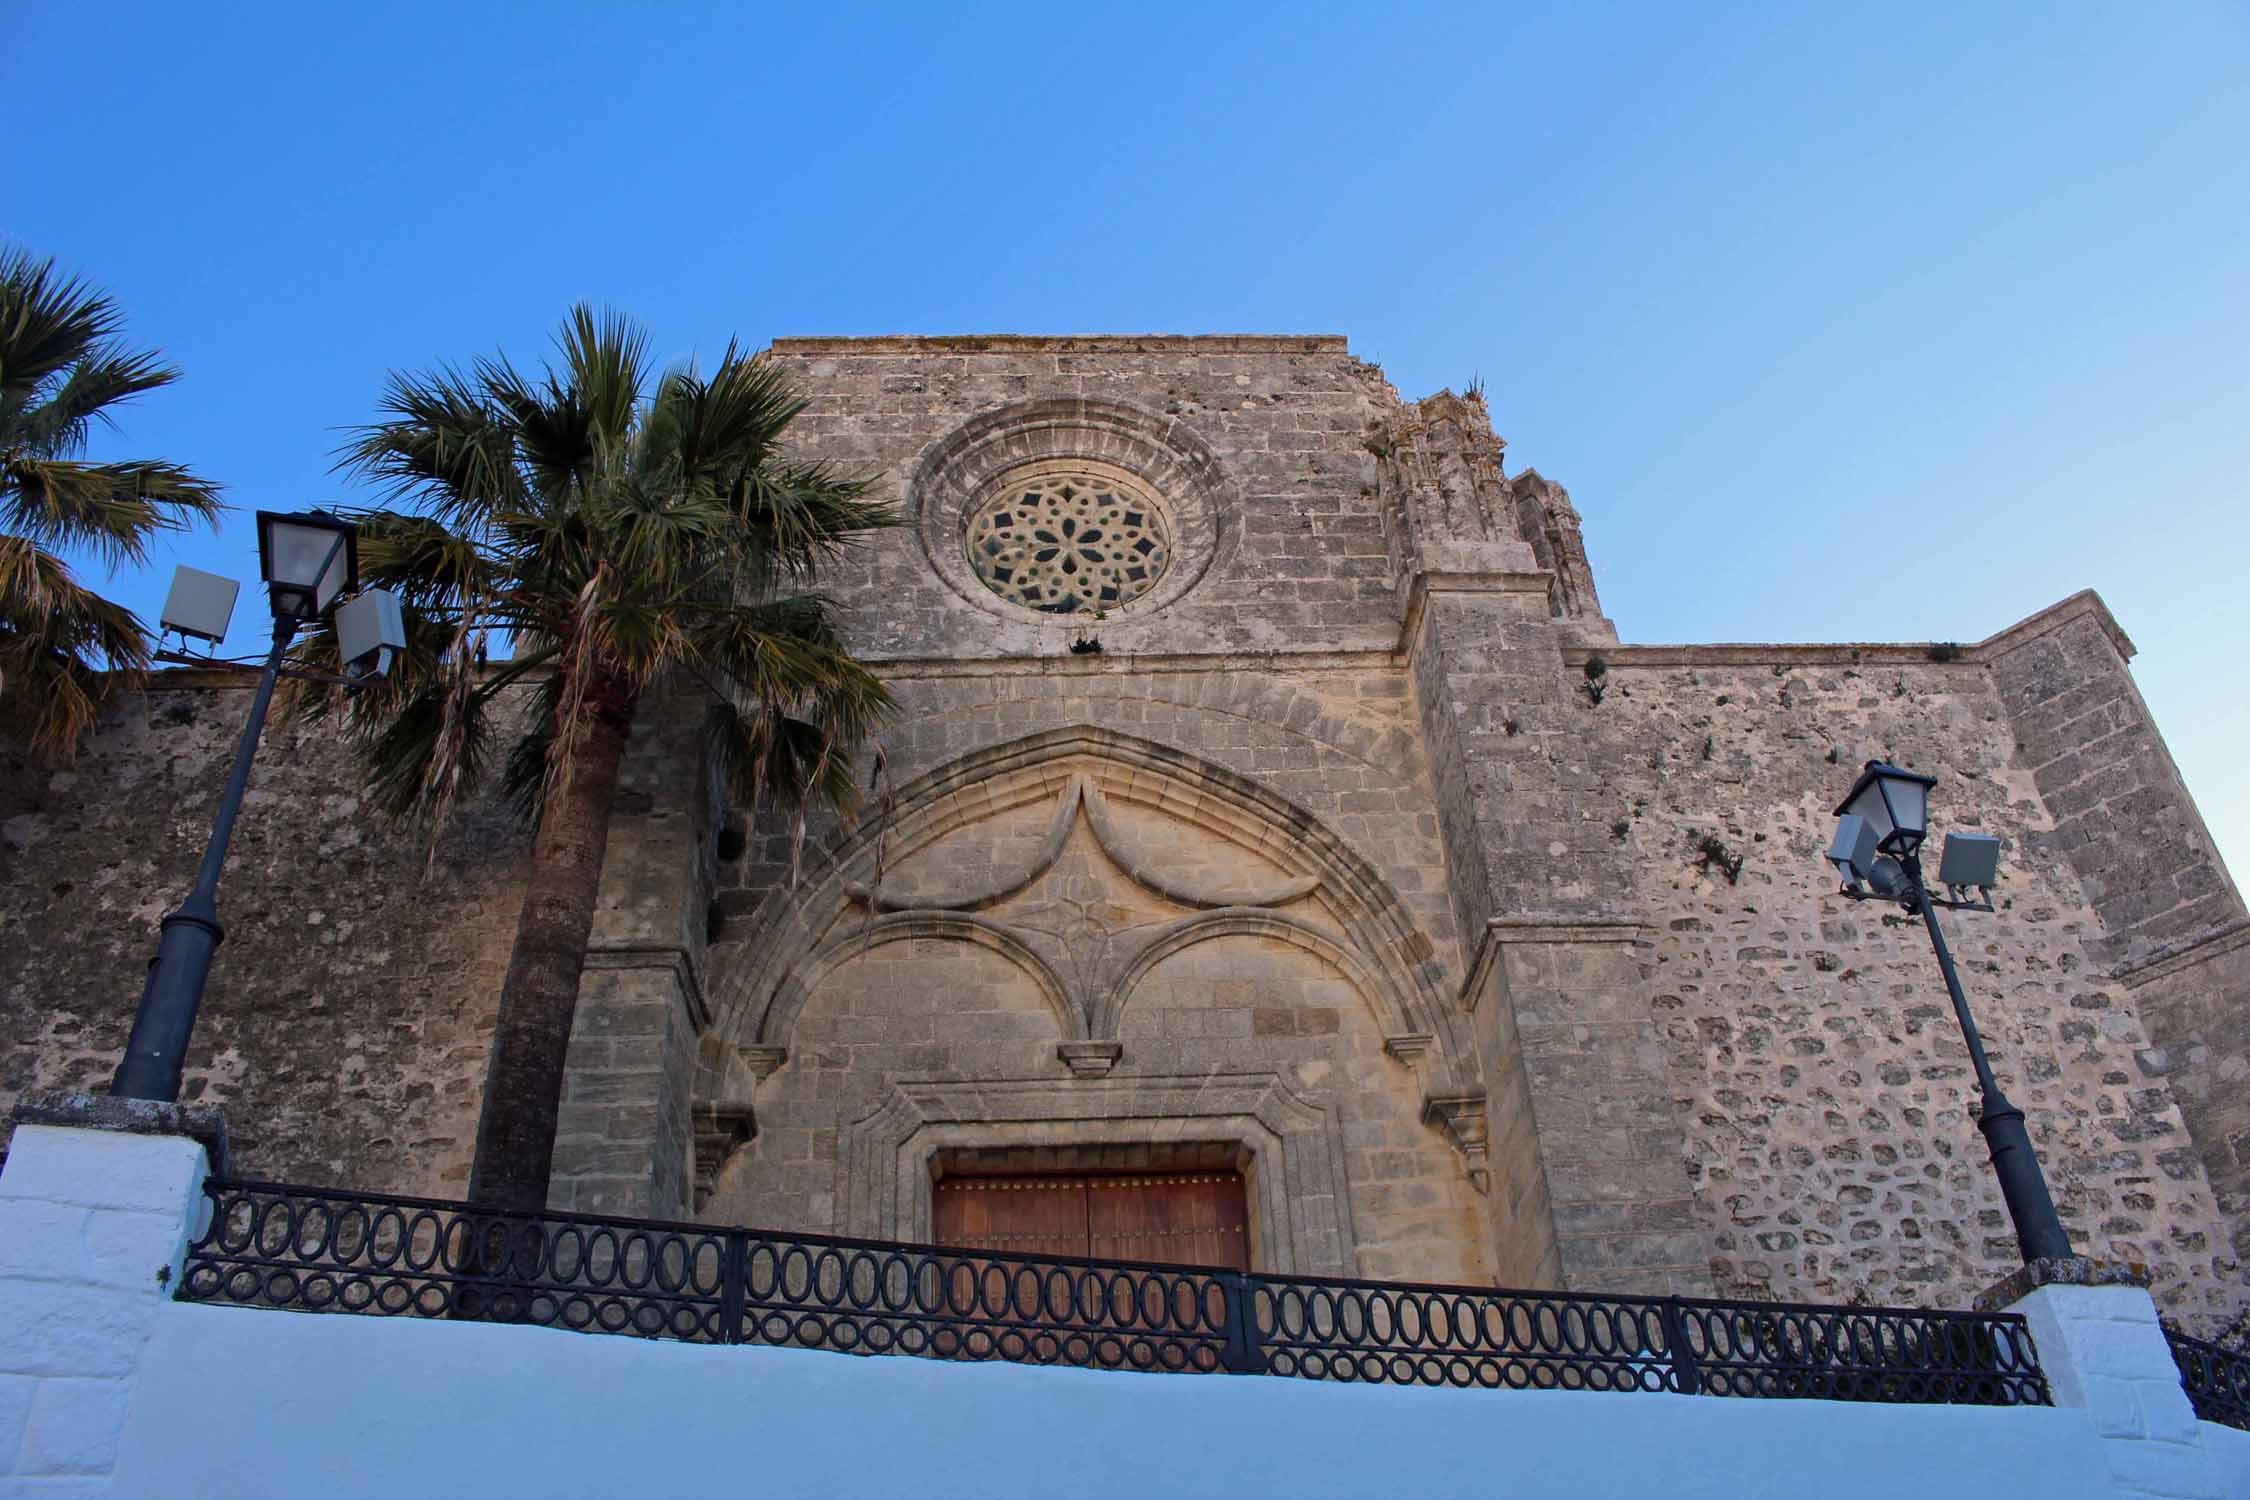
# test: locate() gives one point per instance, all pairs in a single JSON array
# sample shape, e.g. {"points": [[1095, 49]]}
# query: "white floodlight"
{"points": [[199, 604], [1853, 853], [1971, 859], [369, 631]]}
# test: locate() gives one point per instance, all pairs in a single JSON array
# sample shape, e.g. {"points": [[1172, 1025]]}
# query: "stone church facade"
{"points": [[1268, 798]]}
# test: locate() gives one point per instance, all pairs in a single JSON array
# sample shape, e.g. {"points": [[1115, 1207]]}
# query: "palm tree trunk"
{"points": [[523, 1081]]}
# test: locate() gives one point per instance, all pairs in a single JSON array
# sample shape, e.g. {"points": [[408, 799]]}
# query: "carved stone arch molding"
{"points": [[1075, 776], [956, 472], [1401, 1022], [897, 927]]}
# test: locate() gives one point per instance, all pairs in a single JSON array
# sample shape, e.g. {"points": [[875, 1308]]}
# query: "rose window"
{"points": [[1069, 541]]}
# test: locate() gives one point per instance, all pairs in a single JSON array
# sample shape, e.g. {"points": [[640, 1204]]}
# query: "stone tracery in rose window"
{"points": [[1069, 541]]}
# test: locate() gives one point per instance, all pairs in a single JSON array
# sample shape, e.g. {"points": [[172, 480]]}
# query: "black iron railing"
{"points": [[268, 1245], [2216, 1378]]}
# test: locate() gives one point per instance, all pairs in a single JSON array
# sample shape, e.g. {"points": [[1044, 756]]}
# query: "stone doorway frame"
{"points": [[1292, 1148]]}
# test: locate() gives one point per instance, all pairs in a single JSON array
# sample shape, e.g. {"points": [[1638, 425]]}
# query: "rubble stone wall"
{"points": [[349, 1009], [1813, 1051]]}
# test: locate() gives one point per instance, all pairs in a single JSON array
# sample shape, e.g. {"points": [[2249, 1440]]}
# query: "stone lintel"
{"points": [[1765, 654], [1514, 930], [75, 1110], [2076, 1270], [1090, 1059], [687, 983]]}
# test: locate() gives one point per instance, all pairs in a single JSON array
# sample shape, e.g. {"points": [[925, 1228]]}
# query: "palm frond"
{"points": [[787, 653], [523, 779], [428, 564], [605, 360], [796, 517], [763, 755], [722, 429], [442, 445], [429, 749], [55, 425], [614, 530], [115, 510], [63, 649], [48, 323]]}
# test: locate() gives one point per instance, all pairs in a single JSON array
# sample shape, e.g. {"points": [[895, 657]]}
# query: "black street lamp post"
{"points": [[307, 560], [1879, 834]]}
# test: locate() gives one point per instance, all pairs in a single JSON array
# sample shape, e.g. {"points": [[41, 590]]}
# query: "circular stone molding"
{"points": [[1070, 537], [1150, 488]]}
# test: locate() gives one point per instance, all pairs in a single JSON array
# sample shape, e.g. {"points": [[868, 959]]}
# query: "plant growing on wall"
{"points": [[621, 532], [63, 647], [1713, 854]]}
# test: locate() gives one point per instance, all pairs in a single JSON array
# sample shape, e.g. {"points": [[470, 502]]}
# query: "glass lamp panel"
{"points": [[307, 559], [335, 576], [1908, 798], [294, 553], [1867, 802]]}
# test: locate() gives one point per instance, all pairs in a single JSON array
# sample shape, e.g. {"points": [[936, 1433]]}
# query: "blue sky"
{"points": [[1742, 278]]}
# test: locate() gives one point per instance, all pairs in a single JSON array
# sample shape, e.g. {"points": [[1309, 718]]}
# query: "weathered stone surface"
{"points": [[1826, 1092], [2076, 1270], [1359, 856], [348, 1010], [205, 1124]]}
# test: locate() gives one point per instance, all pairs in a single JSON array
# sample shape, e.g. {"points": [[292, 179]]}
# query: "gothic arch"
{"points": [[799, 986], [1395, 1011], [795, 938]]}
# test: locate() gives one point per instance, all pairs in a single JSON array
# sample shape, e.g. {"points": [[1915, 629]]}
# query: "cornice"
{"points": [[1126, 664], [619, 956], [2225, 940], [1428, 581], [2083, 605], [1077, 343], [1500, 932]]}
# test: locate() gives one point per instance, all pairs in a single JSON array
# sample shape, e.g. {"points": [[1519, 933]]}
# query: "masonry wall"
{"points": [[1297, 559], [2175, 931], [1335, 742], [349, 1008], [1604, 1063], [1814, 1055]]}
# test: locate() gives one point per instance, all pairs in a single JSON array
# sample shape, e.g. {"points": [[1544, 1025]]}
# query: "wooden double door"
{"points": [[1180, 1218]]}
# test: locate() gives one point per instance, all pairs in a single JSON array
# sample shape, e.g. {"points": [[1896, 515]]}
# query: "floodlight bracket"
{"points": [[1953, 902]]}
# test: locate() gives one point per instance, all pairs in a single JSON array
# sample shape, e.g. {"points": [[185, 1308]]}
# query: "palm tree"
{"points": [[61, 369], [617, 535]]}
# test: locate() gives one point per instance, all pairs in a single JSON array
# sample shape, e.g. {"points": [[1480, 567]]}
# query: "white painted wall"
{"points": [[110, 1389], [249, 1404], [2230, 1452]]}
